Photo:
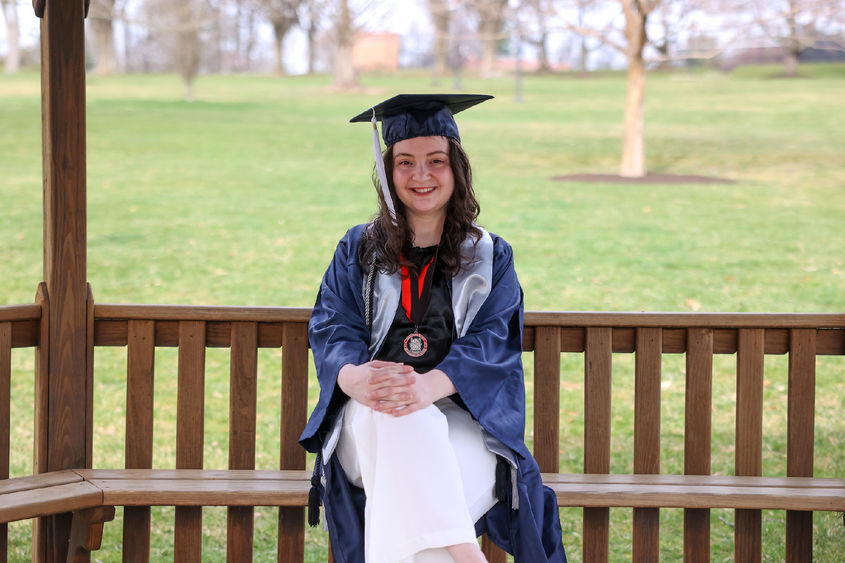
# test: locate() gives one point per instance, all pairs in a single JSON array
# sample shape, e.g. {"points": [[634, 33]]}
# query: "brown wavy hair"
{"points": [[390, 245]]}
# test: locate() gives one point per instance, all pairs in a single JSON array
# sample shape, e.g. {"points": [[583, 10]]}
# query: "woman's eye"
{"points": [[404, 163]]}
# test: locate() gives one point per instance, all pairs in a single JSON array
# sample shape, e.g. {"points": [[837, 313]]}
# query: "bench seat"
{"points": [[697, 491], [66, 491], [199, 487], [22, 498]]}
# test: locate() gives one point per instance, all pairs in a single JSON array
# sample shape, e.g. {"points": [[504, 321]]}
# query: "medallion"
{"points": [[415, 345]]}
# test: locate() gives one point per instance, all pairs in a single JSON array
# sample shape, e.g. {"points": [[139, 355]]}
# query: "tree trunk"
{"points": [[345, 77], [101, 18], [13, 56], [312, 47], [633, 147], [250, 42], [790, 63], [489, 29], [543, 53], [189, 59], [104, 38], [278, 48], [440, 17], [792, 45]]}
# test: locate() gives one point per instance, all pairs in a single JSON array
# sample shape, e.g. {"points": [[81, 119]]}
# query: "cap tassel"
{"points": [[382, 175], [314, 496], [502, 486]]}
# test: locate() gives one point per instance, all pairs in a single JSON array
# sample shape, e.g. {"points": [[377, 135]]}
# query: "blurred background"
{"points": [[449, 37]]}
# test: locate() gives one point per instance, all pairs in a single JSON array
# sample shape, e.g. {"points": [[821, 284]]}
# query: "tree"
{"points": [[13, 54], [313, 12], [345, 75], [636, 13], [794, 25], [101, 15], [541, 10], [670, 23], [173, 31], [633, 143], [283, 15], [440, 15], [188, 57], [491, 17]]}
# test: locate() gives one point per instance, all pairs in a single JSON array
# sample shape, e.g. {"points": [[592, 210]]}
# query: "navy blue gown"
{"points": [[485, 365]]}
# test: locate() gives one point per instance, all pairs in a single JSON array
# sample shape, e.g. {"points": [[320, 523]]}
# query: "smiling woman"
{"points": [[416, 336], [423, 181]]}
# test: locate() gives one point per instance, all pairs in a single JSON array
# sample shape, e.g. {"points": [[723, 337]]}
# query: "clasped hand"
{"points": [[393, 388]]}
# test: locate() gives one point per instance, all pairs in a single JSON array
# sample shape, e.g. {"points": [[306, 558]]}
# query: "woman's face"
{"points": [[422, 176]]}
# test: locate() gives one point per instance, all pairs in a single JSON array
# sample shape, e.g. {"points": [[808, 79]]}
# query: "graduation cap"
{"points": [[414, 115]]}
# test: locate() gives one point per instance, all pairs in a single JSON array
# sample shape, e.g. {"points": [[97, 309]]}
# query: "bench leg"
{"points": [[492, 552], [86, 532]]}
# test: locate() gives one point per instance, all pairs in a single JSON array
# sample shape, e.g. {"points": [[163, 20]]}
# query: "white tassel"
{"points": [[382, 176]]}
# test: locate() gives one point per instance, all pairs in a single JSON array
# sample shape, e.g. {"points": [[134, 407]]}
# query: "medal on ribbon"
{"points": [[416, 297]]}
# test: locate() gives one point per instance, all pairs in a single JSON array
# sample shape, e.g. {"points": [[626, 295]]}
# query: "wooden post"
{"points": [[64, 439]]}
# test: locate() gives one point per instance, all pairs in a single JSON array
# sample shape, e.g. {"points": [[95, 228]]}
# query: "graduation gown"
{"points": [[485, 365]]}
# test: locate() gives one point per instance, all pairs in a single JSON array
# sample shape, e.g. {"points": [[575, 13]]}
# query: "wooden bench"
{"points": [[596, 337]]}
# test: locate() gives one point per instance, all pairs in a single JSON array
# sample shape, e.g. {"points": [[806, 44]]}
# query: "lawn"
{"points": [[240, 197]]}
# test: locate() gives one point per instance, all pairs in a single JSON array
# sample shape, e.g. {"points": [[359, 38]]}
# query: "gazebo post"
{"points": [[63, 382]]}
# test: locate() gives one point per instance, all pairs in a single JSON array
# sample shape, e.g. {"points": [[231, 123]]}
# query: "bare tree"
{"points": [[101, 15], [345, 75], [633, 143], [672, 21], [440, 13], [13, 54], [794, 24], [283, 15], [189, 47], [636, 13], [491, 17], [174, 28], [541, 12], [312, 12]]}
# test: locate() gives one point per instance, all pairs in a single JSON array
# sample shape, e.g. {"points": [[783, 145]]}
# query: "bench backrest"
{"points": [[573, 407], [650, 338]]}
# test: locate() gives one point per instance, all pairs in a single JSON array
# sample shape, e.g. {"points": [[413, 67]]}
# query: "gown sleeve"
{"points": [[337, 332], [485, 364]]}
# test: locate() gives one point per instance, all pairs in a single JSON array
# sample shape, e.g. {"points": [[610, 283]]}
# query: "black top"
{"points": [[437, 326]]}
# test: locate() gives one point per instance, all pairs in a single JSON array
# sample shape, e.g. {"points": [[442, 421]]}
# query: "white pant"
{"points": [[427, 477]]}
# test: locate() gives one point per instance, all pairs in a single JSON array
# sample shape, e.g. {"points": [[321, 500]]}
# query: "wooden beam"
{"points": [[65, 374]]}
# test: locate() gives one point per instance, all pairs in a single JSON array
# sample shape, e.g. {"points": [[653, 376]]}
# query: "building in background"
{"points": [[376, 51]]}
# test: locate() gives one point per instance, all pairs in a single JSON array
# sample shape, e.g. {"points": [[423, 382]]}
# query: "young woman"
{"points": [[416, 335]]}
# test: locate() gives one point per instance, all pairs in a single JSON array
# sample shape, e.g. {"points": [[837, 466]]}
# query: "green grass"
{"points": [[240, 197]]}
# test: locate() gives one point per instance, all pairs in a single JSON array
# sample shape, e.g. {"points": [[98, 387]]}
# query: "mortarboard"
{"points": [[414, 115]]}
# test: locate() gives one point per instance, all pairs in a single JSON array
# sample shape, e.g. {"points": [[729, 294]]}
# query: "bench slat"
{"points": [[5, 416], [646, 531], [190, 414], [140, 387], [291, 536], [43, 480], [203, 492], [597, 385], [697, 497], [243, 396], [749, 437], [699, 391], [30, 503], [800, 435], [697, 480]]}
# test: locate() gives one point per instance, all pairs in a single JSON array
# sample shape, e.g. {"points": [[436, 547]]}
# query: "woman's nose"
{"points": [[421, 172]]}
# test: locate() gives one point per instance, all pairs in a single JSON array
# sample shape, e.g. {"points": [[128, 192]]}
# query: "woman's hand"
{"points": [[393, 388]]}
